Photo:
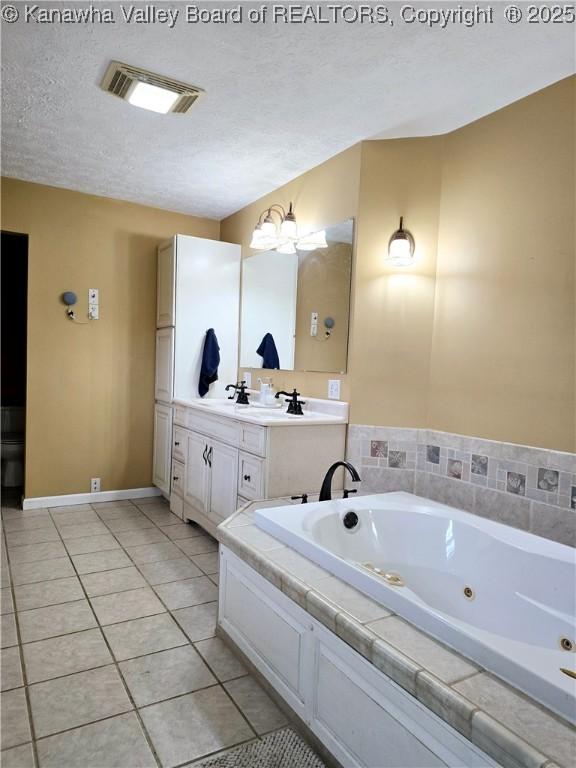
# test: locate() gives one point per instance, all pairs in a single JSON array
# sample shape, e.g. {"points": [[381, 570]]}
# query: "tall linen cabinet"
{"points": [[198, 288]]}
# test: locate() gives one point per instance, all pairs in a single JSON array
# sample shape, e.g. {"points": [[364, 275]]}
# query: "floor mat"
{"points": [[281, 749]]}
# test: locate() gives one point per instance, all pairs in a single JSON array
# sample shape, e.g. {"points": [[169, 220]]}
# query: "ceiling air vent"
{"points": [[147, 90]]}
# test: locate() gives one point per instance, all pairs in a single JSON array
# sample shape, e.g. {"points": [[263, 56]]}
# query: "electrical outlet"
{"points": [[334, 389], [314, 329], [93, 312], [247, 377], [95, 485]]}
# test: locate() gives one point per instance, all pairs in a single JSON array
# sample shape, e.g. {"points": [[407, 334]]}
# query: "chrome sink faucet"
{"points": [[326, 490]]}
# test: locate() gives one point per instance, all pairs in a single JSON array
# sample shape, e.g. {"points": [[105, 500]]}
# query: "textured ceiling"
{"points": [[279, 99]]}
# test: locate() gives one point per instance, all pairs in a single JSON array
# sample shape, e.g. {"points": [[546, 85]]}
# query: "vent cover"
{"points": [[120, 80]]}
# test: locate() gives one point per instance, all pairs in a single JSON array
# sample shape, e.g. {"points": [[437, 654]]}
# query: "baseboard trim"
{"points": [[88, 498]]}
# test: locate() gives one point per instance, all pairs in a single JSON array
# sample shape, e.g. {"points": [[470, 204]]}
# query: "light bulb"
{"points": [[153, 98]]}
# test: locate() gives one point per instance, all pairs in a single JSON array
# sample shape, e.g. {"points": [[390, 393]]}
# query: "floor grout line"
{"points": [[191, 642], [122, 679], [100, 627], [25, 684]]}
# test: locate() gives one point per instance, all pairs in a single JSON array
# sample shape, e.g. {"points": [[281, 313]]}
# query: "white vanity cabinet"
{"points": [[226, 462]]}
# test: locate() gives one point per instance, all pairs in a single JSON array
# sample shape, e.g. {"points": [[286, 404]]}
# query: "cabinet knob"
{"points": [[176, 443], [247, 478], [174, 478]]}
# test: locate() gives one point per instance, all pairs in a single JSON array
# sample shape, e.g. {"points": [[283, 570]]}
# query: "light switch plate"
{"points": [[334, 389], [93, 296]]}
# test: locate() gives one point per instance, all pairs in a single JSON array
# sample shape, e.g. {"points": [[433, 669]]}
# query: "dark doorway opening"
{"points": [[14, 297]]}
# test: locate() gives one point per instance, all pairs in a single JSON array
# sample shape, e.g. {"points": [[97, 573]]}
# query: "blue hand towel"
{"points": [[269, 353], [210, 362]]}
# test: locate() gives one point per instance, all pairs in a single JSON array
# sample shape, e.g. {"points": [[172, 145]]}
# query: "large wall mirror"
{"points": [[301, 303]]}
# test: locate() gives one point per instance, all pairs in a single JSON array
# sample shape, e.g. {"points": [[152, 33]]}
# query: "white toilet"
{"points": [[13, 426]]}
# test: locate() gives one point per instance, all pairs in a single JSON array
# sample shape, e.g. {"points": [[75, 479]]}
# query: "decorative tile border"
{"points": [[529, 488]]}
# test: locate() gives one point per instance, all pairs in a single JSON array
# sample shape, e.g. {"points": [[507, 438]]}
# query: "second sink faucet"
{"points": [[240, 389], [294, 405], [326, 490]]}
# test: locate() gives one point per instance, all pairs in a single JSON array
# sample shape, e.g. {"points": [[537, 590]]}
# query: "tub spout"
{"points": [[326, 490]]}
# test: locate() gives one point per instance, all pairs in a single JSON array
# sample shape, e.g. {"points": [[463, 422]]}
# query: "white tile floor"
{"points": [[109, 657]]}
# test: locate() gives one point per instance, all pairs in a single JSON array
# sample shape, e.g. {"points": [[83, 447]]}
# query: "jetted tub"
{"points": [[502, 597]]}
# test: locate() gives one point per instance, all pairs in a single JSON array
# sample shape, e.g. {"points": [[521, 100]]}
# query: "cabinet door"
{"points": [[207, 296], [223, 461], [164, 364], [264, 624], [197, 475], [165, 309], [162, 458]]}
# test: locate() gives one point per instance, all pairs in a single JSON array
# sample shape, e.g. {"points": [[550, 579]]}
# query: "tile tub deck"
{"points": [[513, 729]]}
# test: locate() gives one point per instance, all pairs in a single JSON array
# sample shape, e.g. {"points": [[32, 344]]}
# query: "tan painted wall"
{"points": [[90, 387], [478, 337], [392, 326], [323, 287], [323, 196], [503, 363]]}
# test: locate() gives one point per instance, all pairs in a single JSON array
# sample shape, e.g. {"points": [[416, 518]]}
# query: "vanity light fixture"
{"points": [[401, 247], [282, 235]]}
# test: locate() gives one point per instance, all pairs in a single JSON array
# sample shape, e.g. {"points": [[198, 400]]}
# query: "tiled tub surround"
{"points": [[529, 488], [109, 653], [514, 730], [495, 594]]}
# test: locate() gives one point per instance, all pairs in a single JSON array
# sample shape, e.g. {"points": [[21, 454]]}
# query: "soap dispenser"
{"points": [[267, 392]]}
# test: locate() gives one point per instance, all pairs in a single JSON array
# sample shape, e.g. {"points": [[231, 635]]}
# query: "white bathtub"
{"points": [[524, 587]]}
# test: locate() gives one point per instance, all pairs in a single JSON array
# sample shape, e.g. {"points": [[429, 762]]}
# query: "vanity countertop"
{"points": [[316, 411], [513, 729]]}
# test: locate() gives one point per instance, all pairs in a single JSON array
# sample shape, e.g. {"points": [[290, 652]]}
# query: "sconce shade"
{"points": [[401, 247], [268, 228], [286, 247], [265, 236], [288, 228], [312, 241], [259, 240]]}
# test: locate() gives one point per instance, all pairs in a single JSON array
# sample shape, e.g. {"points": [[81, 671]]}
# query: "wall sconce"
{"points": [[282, 235], [401, 247]]}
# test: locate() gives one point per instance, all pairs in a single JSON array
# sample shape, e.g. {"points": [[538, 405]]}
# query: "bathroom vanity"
{"points": [[224, 455]]}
